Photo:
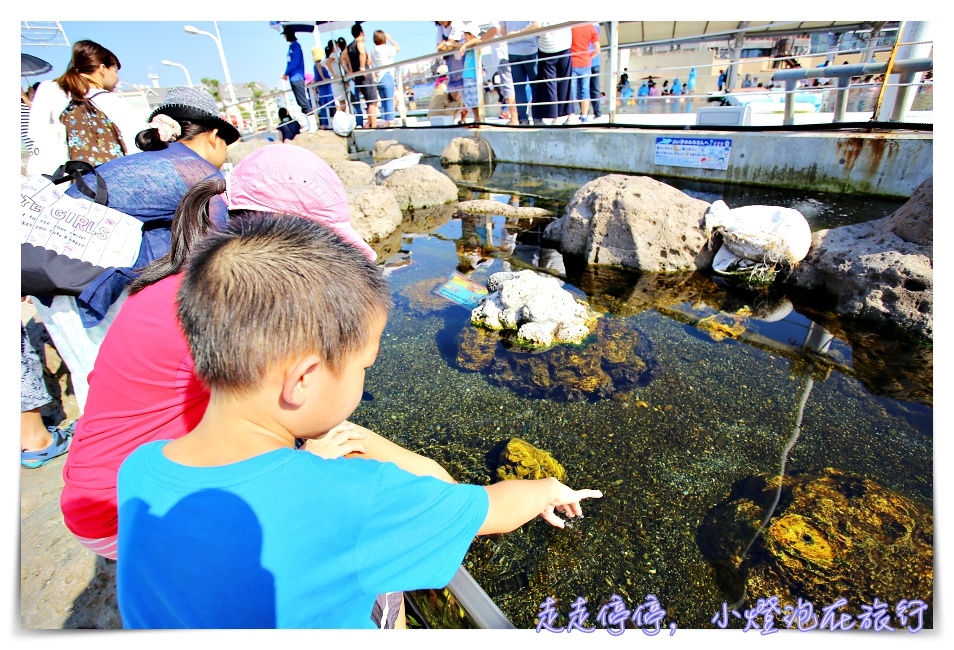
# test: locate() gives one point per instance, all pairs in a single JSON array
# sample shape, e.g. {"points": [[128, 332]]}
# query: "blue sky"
{"points": [[254, 51]]}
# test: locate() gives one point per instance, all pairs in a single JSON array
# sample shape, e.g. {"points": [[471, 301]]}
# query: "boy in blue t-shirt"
{"points": [[231, 526]]}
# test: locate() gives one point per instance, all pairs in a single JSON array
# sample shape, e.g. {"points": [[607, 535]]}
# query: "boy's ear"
{"points": [[300, 380]]}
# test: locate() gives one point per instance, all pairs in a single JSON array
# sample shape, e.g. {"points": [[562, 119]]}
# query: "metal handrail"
{"points": [[611, 32], [844, 73]]}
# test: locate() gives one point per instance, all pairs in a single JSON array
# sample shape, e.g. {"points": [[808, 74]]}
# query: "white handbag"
{"points": [[343, 123]]}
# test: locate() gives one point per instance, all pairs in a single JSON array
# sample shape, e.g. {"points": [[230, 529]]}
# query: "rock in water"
{"points": [[467, 150], [618, 360], [521, 460], [535, 305], [635, 222], [832, 535], [389, 150], [880, 270], [421, 186]]}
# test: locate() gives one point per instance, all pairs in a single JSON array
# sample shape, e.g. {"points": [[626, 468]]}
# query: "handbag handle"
{"points": [[75, 170]]}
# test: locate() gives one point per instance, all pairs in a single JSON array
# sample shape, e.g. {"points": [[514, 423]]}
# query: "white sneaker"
{"points": [[572, 119]]}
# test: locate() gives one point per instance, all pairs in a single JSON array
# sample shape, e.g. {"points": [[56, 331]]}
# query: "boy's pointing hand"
{"points": [[567, 501]]}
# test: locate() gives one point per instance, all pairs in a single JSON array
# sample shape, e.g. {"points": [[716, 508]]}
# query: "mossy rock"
{"points": [[616, 358], [831, 535], [521, 460]]}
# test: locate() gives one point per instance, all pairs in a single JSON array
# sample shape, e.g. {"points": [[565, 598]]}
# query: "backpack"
{"points": [[90, 135]]}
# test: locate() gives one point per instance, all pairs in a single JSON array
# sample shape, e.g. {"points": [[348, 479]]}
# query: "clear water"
{"points": [[666, 449]]}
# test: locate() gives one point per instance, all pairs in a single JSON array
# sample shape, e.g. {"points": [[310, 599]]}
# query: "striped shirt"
{"points": [[24, 125]]}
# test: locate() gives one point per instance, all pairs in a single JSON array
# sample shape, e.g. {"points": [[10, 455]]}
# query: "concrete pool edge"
{"points": [[879, 164]]}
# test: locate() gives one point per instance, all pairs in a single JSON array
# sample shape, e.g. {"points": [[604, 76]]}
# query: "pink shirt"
{"points": [[142, 388]]}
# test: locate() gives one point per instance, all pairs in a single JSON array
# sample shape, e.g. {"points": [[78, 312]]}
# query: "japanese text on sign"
{"points": [[704, 153]]}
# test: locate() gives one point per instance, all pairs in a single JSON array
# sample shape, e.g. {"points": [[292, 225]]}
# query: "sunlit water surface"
{"points": [[667, 448]]}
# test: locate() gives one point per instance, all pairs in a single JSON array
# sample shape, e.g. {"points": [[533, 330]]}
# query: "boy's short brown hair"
{"points": [[269, 288]]}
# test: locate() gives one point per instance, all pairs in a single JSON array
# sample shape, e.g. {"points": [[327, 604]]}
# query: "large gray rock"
{"points": [[421, 186], [374, 211], [635, 222], [389, 150], [467, 150], [353, 172], [328, 145], [881, 269]]}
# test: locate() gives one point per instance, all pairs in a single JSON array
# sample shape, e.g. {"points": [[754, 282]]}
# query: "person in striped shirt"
{"points": [[26, 100]]}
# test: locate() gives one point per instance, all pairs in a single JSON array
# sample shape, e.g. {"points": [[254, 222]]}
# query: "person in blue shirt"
{"points": [[295, 71], [231, 525]]}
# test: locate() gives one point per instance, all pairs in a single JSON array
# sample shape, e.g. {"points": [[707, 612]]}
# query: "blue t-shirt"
{"points": [[295, 65], [285, 539]]}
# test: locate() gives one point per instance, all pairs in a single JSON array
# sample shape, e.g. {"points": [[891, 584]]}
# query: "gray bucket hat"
{"points": [[196, 106]]}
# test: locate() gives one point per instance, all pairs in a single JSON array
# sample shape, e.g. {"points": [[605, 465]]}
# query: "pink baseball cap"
{"points": [[287, 178]]}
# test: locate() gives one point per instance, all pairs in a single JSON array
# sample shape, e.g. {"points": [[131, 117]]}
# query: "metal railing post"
{"points": [[904, 97], [841, 97], [734, 58], [613, 69], [790, 86], [399, 93], [478, 73]]}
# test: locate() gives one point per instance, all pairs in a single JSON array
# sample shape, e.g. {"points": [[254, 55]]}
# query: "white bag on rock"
{"points": [[760, 233]]}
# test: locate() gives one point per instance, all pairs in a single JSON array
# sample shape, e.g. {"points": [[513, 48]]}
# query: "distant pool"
{"points": [[717, 409]]}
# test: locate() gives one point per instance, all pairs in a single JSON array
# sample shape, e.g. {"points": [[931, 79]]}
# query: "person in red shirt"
{"points": [[585, 37]]}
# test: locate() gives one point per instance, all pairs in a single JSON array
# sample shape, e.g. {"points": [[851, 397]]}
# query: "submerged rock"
{"points": [[617, 358], [426, 220], [521, 460], [635, 222], [421, 297], [471, 173], [881, 270], [832, 535]]}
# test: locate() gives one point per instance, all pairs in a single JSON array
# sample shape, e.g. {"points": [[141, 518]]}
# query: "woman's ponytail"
{"points": [[189, 225]]}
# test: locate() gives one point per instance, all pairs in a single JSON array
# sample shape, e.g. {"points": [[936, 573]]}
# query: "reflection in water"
{"points": [[713, 426]]}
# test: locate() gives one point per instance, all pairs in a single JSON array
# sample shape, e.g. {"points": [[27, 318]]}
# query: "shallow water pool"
{"points": [[733, 384]]}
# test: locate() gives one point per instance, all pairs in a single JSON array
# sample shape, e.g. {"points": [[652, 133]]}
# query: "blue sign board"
{"points": [[704, 153]]}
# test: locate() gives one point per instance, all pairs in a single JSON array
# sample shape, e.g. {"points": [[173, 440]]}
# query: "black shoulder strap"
{"points": [[75, 170]]}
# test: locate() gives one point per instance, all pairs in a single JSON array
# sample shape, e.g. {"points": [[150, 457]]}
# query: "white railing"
{"points": [[610, 54]]}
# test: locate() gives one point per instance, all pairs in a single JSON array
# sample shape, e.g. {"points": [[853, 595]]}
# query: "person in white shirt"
{"points": [[551, 92], [92, 75], [385, 49]]}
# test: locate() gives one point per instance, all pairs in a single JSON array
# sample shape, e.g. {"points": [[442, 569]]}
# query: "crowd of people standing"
{"points": [[548, 77]]}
